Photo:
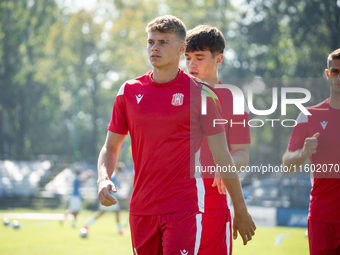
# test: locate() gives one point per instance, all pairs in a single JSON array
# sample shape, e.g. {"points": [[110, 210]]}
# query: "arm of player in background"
{"points": [[294, 159], [243, 223], [86, 176], [240, 155], [107, 161]]}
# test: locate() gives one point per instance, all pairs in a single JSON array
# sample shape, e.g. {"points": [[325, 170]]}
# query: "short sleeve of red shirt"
{"points": [[299, 134], [203, 123], [207, 121], [237, 128], [118, 123]]}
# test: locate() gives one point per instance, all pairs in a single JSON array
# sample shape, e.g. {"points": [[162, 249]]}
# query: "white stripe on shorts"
{"points": [[199, 232], [228, 237]]}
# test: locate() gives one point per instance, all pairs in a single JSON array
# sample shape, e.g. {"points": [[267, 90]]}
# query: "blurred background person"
{"points": [[113, 208], [75, 204]]}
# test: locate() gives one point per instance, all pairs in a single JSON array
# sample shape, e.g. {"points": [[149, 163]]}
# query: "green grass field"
{"points": [[49, 237]]}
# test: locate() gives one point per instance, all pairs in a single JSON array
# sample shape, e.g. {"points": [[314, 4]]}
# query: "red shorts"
{"points": [[324, 238], [177, 233], [216, 232]]}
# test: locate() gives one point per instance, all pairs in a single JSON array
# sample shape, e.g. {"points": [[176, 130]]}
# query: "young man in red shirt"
{"points": [[204, 54], [162, 112], [317, 137]]}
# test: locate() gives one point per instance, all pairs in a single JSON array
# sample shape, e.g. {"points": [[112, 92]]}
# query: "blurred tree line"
{"points": [[60, 70]]}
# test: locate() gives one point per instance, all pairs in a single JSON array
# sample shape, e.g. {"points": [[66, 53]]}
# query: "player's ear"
{"points": [[182, 48], [327, 73], [219, 59]]}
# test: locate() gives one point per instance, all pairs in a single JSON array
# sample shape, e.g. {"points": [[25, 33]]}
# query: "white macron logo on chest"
{"points": [[184, 252], [324, 124], [139, 97]]}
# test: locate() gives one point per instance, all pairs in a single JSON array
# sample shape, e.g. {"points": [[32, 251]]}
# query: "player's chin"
{"points": [[156, 63]]}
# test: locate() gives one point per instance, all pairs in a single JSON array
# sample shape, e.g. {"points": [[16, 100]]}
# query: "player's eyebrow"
{"points": [[200, 54], [196, 54], [161, 40]]}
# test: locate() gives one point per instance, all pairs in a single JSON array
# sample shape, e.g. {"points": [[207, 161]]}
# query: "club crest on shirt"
{"points": [[324, 124], [177, 99]]}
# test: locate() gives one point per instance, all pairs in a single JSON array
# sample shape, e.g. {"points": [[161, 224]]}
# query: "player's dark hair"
{"points": [[334, 55], [168, 24], [205, 37]]}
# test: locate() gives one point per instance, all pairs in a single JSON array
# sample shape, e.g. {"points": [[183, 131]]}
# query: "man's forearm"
{"points": [[293, 158], [240, 158], [231, 182], [243, 222], [234, 188], [106, 164]]}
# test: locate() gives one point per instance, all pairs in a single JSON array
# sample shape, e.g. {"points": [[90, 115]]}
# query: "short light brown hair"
{"points": [[168, 24], [334, 55], [204, 37]]}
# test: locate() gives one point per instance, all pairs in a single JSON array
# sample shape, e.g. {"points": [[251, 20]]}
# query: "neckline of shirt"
{"points": [[152, 82], [329, 106]]}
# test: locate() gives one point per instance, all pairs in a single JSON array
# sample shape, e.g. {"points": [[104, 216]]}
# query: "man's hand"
{"points": [[244, 224], [311, 143], [107, 161], [103, 193], [219, 183]]}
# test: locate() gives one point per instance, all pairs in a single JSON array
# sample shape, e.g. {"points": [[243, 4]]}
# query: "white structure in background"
{"points": [[62, 185], [21, 178]]}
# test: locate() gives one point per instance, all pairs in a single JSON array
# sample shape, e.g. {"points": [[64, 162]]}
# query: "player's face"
{"points": [[333, 75], [202, 64], [164, 49]]}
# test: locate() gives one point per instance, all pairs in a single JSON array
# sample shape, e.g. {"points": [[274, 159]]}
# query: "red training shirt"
{"points": [[325, 194], [166, 128]]}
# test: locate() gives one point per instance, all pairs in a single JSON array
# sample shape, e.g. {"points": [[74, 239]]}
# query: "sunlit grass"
{"points": [[41, 237]]}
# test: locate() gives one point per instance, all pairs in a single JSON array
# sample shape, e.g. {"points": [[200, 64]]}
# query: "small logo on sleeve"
{"points": [[324, 124], [184, 252], [177, 99], [139, 97]]}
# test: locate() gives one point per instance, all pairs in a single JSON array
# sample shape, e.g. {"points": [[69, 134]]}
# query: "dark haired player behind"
{"points": [[204, 54]]}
